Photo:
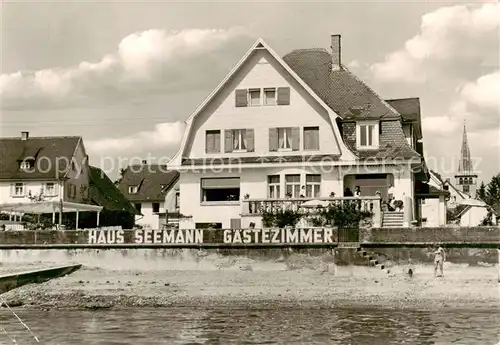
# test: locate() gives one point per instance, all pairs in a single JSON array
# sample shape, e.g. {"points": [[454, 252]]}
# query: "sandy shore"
{"points": [[246, 284]]}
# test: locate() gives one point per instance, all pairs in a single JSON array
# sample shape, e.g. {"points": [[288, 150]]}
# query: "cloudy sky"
{"points": [[126, 75]]}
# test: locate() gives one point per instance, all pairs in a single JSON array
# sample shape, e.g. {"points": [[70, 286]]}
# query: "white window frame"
{"points": [[252, 90], [285, 131], [25, 165], [45, 189], [375, 138], [275, 101], [274, 188], [315, 187], [133, 189], [295, 191], [14, 190], [242, 136]]}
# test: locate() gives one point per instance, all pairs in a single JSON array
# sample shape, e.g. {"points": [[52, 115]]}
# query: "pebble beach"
{"points": [[241, 282]]}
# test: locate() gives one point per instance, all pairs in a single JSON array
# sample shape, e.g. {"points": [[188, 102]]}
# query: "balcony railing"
{"points": [[256, 207]]}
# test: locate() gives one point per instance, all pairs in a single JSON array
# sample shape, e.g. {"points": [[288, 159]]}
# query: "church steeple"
{"points": [[465, 164], [466, 179]]}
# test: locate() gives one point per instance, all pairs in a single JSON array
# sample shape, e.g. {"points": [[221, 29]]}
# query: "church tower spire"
{"points": [[465, 164], [466, 179]]}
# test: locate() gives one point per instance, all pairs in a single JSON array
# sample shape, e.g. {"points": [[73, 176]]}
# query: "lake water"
{"points": [[288, 326]]}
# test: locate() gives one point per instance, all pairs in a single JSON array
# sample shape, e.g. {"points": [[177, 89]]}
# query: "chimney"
{"points": [[336, 53], [25, 135]]}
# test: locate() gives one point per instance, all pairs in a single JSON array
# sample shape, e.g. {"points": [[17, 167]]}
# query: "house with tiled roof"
{"points": [[295, 128], [50, 168], [154, 191]]}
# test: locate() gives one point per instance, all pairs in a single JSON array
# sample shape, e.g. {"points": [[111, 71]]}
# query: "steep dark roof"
{"points": [[47, 150], [103, 192], [352, 100], [154, 181], [340, 89], [409, 108]]}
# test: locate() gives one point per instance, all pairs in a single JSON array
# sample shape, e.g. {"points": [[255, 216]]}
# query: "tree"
{"points": [[493, 191], [481, 193], [122, 172]]}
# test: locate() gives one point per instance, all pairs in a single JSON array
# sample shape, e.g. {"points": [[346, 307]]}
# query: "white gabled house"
{"points": [[293, 128]]}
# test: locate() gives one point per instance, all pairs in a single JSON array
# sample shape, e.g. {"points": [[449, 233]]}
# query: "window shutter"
{"points": [[307, 139], [315, 139], [250, 140], [209, 142], [295, 138], [217, 142], [228, 140], [273, 139], [241, 98], [283, 96]]}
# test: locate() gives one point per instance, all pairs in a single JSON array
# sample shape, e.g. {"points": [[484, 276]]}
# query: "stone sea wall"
{"points": [[148, 249]]}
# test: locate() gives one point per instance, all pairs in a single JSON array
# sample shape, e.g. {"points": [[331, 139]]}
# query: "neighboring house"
{"points": [[298, 126], [154, 192], [475, 212], [432, 201], [117, 210], [55, 167]]}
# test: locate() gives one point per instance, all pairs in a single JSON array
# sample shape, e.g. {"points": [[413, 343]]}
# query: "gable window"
{"points": [[26, 164], [18, 189], [49, 189], [311, 138], [466, 189], [270, 96], [156, 207], [239, 140], [367, 135], [292, 186], [254, 96], [220, 189], [212, 141], [133, 189], [284, 139], [313, 186], [274, 186]]}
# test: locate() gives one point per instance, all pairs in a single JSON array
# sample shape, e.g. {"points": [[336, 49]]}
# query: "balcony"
{"points": [[310, 206]]}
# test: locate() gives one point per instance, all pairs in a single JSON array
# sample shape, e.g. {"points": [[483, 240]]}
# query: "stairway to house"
{"points": [[371, 260], [392, 219]]}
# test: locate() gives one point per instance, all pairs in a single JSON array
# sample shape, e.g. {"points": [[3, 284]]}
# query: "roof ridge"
{"points": [[45, 137], [299, 50], [401, 99]]}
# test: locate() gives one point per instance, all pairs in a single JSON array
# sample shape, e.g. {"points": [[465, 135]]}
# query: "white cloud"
{"points": [[144, 61], [484, 92], [440, 124], [448, 35], [167, 135]]}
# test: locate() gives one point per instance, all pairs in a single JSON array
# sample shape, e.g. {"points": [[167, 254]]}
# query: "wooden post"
{"points": [[498, 266], [407, 211], [98, 213], [60, 213], [77, 216], [377, 213]]}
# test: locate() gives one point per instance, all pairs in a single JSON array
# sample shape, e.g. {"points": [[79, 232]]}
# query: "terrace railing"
{"points": [[310, 206]]}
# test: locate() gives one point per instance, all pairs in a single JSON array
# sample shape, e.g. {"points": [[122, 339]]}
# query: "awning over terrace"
{"points": [[53, 207]]}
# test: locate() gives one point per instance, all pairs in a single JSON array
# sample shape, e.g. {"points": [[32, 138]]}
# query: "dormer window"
{"points": [[27, 164], [367, 135], [133, 189]]}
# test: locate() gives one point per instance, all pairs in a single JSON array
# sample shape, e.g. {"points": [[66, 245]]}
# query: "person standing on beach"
{"points": [[439, 258]]}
